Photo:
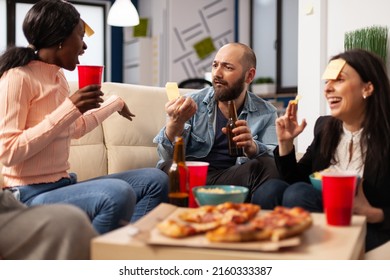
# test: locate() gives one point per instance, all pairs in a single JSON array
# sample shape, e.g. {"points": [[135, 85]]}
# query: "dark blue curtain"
{"points": [[117, 50]]}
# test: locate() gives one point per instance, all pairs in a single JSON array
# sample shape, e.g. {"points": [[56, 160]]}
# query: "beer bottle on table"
{"points": [[234, 151], [178, 176]]}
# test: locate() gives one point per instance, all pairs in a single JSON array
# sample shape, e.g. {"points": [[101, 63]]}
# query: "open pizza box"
{"points": [[147, 230]]}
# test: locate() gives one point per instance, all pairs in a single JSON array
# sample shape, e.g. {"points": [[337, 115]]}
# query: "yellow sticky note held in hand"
{"points": [[172, 91]]}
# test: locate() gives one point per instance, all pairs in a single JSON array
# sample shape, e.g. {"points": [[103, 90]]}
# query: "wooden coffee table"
{"points": [[319, 242]]}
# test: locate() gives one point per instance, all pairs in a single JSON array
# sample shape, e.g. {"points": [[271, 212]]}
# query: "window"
{"points": [[93, 12], [275, 41]]}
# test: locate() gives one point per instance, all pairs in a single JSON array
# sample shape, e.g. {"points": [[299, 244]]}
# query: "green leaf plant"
{"points": [[372, 39]]}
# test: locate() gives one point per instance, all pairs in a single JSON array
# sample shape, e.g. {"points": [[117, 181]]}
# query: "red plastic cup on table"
{"points": [[90, 75], [197, 171], [338, 192]]}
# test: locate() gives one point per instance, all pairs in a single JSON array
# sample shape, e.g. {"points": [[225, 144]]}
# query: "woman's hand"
{"points": [[361, 206], [287, 128], [125, 112], [87, 98]]}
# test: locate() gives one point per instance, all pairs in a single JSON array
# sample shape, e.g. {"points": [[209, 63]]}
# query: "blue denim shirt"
{"points": [[199, 131]]}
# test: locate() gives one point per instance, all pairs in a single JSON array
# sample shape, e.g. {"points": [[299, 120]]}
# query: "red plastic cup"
{"points": [[338, 192], [90, 75], [197, 177]]}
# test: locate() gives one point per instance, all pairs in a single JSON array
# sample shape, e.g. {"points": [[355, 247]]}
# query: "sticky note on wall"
{"points": [[172, 90], [204, 47]]}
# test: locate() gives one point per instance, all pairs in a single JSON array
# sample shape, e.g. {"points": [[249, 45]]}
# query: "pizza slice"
{"points": [[286, 222], [203, 214], [175, 229], [238, 212], [221, 213], [206, 218], [237, 233], [278, 224]]}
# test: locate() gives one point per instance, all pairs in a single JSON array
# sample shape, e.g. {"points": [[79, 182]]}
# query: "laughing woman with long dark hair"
{"points": [[354, 137]]}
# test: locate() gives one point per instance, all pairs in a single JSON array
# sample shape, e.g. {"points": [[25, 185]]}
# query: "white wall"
{"points": [[321, 35], [353, 15], [176, 27], [311, 62]]}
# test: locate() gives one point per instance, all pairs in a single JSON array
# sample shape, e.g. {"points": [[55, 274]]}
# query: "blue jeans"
{"points": [[110, 201], [276, 192]]}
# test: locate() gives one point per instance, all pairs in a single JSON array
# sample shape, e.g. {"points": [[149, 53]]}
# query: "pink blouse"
{"points": [[37, 122]]}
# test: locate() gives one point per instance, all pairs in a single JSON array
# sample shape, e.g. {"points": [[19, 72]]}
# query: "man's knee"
{"points": [[265, 165], [165, 166], [270, 193]]}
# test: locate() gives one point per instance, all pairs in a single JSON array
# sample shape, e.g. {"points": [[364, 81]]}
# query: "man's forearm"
{"points": [[173, 129]]}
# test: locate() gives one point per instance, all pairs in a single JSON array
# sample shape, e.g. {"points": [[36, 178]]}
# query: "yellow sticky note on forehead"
{"points": [[88, 30], [172, 91], [333, 69]]}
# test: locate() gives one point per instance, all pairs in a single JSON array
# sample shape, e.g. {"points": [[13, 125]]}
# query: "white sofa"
{"points": [[119, 144]]}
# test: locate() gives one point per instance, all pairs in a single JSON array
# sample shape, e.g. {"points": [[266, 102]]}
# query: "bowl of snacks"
{"points": [[217, 194], [316, 180]]}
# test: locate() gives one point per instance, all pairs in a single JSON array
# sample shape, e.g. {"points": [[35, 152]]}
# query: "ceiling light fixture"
{"points": [[123, 13]]}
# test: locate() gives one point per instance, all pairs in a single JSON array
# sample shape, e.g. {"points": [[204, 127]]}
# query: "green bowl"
{"points": [[204, 195], [317, 183]]}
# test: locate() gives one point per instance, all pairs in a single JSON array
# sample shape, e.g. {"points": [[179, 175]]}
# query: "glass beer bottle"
{"points": [[234, 151], [178, 176]]}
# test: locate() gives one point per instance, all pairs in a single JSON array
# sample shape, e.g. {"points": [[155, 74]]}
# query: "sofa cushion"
{"points": [[88, 155], [130, 144]]}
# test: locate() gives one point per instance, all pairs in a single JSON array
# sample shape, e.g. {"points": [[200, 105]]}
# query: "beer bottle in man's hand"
{"points": [[178, 176], [234, 151]]}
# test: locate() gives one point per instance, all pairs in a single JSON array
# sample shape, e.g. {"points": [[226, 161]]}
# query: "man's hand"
{"points": [[179, 111], [243, 137]]}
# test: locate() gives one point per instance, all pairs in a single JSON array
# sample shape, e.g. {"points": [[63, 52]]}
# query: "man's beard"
{"points": [[229, 93]]}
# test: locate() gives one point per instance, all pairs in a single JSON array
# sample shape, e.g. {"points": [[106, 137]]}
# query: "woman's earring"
{"points": [[364, 96], [60, 46]]}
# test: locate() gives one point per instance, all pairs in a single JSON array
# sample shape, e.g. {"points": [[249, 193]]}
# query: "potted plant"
{"points": [[263, 86], [372, 38]]}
